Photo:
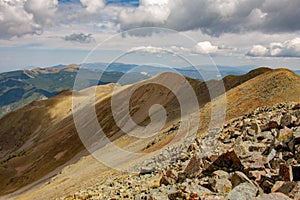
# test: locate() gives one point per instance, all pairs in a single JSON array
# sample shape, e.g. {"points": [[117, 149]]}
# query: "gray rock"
{"points": [[197, 189], [220, 174], [273, 196], [222, 186], [272, 155], [147, 170], [243, 191]]}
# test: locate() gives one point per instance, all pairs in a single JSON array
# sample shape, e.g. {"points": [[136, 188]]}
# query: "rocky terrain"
{"points": [[256, 156]]}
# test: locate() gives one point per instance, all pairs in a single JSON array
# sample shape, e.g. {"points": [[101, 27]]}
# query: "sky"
{"points": [[176, 33]]}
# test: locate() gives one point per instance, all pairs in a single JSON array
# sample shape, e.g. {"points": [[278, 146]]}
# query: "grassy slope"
{"points": [[18, 88]]}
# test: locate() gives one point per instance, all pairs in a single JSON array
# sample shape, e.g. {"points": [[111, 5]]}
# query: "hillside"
{"points": [[47, 135], [19, 88], [273, 86], [37, 139]]}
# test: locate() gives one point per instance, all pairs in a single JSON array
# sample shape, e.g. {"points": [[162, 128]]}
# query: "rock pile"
{"points": [[256, 156]]}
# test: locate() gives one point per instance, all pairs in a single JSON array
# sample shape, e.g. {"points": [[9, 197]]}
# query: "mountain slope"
{"points": [[37, 139], [43, 133], [271, 87]]}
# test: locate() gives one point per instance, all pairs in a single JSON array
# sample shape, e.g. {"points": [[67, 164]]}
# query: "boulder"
{"points": [[147, 170], [227, 161], [222, 186], [272, 196], [243, 191], [255, 161], [196, 190], [283, 187], [238, 178], [193, 169], [220, 174]]}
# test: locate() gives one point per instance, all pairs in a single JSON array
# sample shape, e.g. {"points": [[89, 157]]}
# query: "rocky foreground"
{"points": [[256, 156]]}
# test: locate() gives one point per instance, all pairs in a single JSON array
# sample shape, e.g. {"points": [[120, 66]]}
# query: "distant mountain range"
{"points": [[19, 88], [190, 71]]}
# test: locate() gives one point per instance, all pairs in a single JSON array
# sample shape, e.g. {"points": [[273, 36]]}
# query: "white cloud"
{"points": [[149, 13], [215, 17], [14, 20], [289, 48], [212, 17], [19, 17], [205, 48], [154, 50], [258, 50], [93, 6], [43, 10], [200, 48]]}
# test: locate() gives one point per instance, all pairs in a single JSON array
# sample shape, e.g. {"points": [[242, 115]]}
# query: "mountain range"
{"points": [[19, 88]]}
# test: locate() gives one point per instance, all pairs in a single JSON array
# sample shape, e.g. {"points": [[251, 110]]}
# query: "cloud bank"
{"points": [[205, 47], [19, 17], [215, 17], [289, 48]]}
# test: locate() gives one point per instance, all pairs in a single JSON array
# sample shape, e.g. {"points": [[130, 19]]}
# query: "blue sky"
{"points": [[259, 33]]}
